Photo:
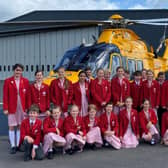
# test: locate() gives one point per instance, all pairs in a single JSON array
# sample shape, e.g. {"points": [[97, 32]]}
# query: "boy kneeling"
{"points": [[31, 135]]}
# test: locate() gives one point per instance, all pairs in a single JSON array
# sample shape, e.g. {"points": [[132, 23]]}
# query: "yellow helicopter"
{"points": [[116, 46]]}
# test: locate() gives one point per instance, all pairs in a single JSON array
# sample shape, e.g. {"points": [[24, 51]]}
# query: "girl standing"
{"points": [[120, 89], [40, 94], [100, 91], [81, 94], [61, 91], [15, 103]]}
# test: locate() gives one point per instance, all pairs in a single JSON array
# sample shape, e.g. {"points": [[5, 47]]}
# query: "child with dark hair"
{"points": [[40, 94], [15, 103], [31, 135]]}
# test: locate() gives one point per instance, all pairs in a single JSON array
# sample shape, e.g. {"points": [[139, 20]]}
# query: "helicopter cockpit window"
{"points": [[124, 62], [99, 59], [115, 64], [139, 65], [131, 66]]}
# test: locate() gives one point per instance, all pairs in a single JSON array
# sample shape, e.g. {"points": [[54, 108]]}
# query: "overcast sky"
{"points": [[13, 8]]}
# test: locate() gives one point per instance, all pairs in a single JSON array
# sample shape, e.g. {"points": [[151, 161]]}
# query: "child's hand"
{"points": [[149, 124], [48, 113], [5, 112], [33, 154], [80, 133], [58, 131]]}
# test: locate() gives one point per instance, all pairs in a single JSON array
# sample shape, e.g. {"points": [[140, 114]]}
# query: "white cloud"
{"points": [[10, 8], [138, 6]]}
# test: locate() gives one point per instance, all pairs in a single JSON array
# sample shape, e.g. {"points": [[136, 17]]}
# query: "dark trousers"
{"points": [[160, 112], [28, 149]]}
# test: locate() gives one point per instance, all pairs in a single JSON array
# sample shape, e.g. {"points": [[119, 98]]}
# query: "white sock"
{"points": [[17, 137], [12, 138], [50, 150]]}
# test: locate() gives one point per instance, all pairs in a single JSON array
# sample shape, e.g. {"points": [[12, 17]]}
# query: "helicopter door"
{"points": [[131, 66], [115, 61]]}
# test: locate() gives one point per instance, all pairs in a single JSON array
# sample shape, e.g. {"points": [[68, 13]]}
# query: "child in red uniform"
{"points": [[15, 103], [100, 91], [129, 125], [81, 94], [110, 127], [40, 94], [120, 89], [93, 133], [164, 131], [53, 132], [148, 121], [31, 135], [135, 88], [74, 131], [151, 91], [61, 91]]}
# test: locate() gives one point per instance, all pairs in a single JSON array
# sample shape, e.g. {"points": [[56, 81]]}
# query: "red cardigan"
{"points": [[61, 96], [118, 91], [50, 126], [143, 120], [163, 94], [10, 94], [124, 121], [40, 97], [164, 123], [77, 97], [71, 127], [35, 132], [152, 93], [87, 122], [135, 93], [100, 92], [113, 123]]}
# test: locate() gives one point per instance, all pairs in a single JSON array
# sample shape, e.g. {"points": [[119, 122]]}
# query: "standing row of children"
{"points": [[19, 95]]}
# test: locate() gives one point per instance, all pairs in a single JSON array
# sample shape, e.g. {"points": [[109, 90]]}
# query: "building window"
{"points": [[4, 68], [42, 68], [131, 66], [32, 68], [8, 68], [48, 68], [0, 68], [27, 68], [53, 66], [37, 68]]}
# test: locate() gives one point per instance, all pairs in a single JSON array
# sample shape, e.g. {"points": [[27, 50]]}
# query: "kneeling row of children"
{"points": [[74, 132]]}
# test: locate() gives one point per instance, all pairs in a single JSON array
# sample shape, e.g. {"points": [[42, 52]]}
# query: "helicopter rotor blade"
{"points": [[151, 20]]}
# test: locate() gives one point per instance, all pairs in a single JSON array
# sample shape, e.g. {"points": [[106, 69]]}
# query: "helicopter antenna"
{"points": [[162, 40]]}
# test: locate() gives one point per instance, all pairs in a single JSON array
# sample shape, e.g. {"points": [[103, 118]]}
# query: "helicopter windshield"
{"points": [[65, 61], [99, 59]]}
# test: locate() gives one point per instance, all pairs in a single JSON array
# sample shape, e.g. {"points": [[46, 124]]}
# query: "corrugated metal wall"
{"points": [[43, 49]]}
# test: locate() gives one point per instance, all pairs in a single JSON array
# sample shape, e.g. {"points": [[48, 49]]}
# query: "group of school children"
{"points": [[90, 113]]}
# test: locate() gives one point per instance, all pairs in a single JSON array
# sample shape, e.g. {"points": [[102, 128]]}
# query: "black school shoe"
{"points": [[13, 150], [50, 155], [27, 158], [69, 151]]}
